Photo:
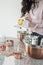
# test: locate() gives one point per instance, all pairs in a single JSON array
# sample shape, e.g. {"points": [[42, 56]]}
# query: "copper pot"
{"points": [[27, 49], [34, 52], [42, 53]]}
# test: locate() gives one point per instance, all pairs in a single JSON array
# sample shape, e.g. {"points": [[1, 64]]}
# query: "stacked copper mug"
{"points": [[21, 35]]}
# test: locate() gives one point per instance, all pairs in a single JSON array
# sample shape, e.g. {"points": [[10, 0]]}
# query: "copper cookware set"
{"points": [[33, 51]]}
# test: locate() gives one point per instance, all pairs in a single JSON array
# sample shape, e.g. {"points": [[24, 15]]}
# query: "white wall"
{"points": [[10, 12]]}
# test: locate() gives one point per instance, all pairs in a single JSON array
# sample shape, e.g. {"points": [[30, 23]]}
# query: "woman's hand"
{"points": [[28, 17]]}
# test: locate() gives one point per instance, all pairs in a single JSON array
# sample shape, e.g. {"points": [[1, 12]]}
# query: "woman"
{"points": [[33, 12]]}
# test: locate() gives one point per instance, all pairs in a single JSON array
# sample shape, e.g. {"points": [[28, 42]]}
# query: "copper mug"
{"points": [[21, 35], [2, 47]]}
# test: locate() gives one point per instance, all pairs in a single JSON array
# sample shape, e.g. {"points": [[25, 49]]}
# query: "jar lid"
{"points": [[35, 37], [21, 31]]}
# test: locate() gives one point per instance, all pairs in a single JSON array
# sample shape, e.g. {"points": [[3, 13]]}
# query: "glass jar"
{"points": [[35, 40], [41, 43]]}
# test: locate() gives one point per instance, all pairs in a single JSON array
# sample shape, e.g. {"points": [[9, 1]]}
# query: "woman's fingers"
{"points": [[28, 17]]}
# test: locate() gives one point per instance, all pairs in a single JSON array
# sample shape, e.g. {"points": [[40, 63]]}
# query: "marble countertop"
{"points": [[11, 60], [24, 61]]}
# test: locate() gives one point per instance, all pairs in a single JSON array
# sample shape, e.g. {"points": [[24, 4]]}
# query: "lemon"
{"points": [[20, 22]]}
